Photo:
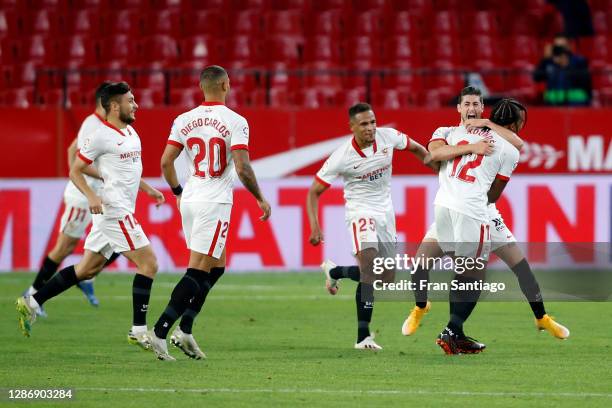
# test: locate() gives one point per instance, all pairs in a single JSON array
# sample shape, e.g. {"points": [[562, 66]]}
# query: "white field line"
{"points": [[349, 392]]}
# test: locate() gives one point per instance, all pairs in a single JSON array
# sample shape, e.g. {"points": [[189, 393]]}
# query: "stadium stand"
{"points": [[303, 53]]}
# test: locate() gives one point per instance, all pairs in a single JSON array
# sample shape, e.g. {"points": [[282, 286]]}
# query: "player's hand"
{"points": [[95, 205], [482, 148], [316, 237], [178, 203], [476, 123], [265, 207], [157, 196]]}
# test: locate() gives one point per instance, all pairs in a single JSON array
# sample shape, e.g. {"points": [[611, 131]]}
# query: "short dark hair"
{"points": [[358, 108], [112, 92], [470, 90], [507, 111], [100, 88], [211, 75]]}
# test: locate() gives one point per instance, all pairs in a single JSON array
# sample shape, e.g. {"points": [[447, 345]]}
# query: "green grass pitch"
{"points": [[280, 340]]}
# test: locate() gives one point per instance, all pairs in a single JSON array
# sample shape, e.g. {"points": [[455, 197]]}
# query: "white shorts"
{"points": [[206, 226], [373, 231], [75, 219], [112, 234], [463, 235], [500, 233]]}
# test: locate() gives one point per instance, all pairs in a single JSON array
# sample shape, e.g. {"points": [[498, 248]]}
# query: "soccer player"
{"points": [[216, 140], [76, 216], [503, 243], [364, 162], [116, 151]]}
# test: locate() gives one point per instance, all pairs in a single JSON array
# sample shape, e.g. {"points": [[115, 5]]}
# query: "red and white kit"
{"points": [[461, 205], [369, 215], [76, 216], [116, 154], [209, 134]]}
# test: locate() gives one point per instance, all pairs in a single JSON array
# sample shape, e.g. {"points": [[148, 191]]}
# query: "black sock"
{"points": [[112, 258], [141, 292], [364, 298], [59, 283], [195, 306], [340, 272], [530, 288], [46, 271], [191, 284], [462, 303], [420, 276]]}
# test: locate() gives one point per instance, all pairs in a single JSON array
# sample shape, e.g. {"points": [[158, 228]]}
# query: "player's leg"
{"points": [[90, 265], [512, 256], [146, 264], [333, 273], [205, 226], [428, 251], [471, 240], [364, 300], [64, 246]]}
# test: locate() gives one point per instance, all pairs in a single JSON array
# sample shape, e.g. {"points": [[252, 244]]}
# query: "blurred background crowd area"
{"points": [[308, 53]]}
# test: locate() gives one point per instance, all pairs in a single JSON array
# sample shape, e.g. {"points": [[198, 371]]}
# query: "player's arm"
{"points": [[247, 177], [312, 209], [152, 192], [440, 151], [496, 190], [171, 153], [422, 154], [72, 152], [507, 134], [76, 176]]}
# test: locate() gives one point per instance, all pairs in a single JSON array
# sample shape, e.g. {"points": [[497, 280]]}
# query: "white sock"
{"points": [[30, 291], [139, 329], [33, 303]]}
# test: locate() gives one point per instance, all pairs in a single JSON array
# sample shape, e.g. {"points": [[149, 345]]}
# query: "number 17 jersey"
{"points": [[210, 133]]}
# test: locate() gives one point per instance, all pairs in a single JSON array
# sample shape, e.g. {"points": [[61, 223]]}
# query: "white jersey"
{"points": [[89, 126], [366, 173], [210, 133], [116, 153], [466, 180]]}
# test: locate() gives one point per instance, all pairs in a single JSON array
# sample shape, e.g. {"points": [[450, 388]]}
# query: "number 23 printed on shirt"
{"points": [[470, 164], [217, 155]]}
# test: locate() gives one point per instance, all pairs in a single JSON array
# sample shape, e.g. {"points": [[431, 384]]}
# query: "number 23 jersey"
{"points": [[466, 180], [210, 133]]}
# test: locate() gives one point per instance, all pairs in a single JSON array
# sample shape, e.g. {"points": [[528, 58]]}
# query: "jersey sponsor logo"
{"points": [[374, 175], [120, 143], [130, 155], [357, 165]]}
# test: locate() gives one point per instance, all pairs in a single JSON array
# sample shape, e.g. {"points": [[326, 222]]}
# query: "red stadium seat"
{"points": [[151, 77], [43, 22], [37, 48], [198, 48], [369, 23], [322, 75], [303, 5], [400, 50], [480, 49], [163, 5], [402, 78], [77, 49], [406, 23], [211, 22], [322, 49], [415, 6], [162, 22], [282, 49], [361, 53], [242, 77], [330, 23], [282, 77], [149, 98], [601, 52], [285, 23], [248, 22], [160, 48], [523, 51], [80, 22], [54, 97], [445, 22], [352, 96], [481, 23], [18, 98], [332, 4], [122, 22], [118, 47], [363, 5], [279, 97], [186, 98], [314, 98], [600, 22], [443, 51]]}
